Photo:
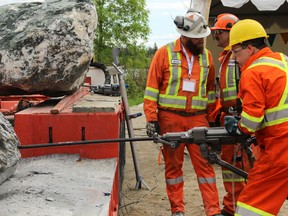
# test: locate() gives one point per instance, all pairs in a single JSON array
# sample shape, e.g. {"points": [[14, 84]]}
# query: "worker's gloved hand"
{"points": [[231, 125], [152, 127]]}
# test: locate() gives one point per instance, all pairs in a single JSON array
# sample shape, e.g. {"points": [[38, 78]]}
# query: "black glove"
{"points": [[231, 125], [152, 127]]}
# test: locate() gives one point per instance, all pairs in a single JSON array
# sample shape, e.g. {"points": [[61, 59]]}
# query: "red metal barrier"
{"points": [[36, 125], [37, 128]]}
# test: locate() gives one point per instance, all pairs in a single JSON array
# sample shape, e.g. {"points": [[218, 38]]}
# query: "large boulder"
{"points": [[9, 153], [46, 47]]}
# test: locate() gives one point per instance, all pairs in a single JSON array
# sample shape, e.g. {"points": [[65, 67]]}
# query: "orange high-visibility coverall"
{"points": [[233, 183], [264, 92], [158, 82]]}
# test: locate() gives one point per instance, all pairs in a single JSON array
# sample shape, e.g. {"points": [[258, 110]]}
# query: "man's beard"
{"points": [[193, 48]]}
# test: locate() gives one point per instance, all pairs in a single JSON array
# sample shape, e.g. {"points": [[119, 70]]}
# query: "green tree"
{"points": [[124, 24], [136, 75], [151, 50], [121, 23]]}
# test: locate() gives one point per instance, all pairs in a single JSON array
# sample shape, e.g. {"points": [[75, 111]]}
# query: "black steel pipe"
{"points": [[232, 168], [86, 142]]}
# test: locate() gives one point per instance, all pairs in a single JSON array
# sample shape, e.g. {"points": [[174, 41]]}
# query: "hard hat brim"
{"points": [[228, 48], [214, 28], [189, 35]]}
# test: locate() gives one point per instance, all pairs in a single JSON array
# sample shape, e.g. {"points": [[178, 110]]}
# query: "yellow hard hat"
{"points": [[245, 30]]}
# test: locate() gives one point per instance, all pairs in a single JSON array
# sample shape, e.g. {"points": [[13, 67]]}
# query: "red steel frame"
{"points": [[44, 124], [8, 104]]}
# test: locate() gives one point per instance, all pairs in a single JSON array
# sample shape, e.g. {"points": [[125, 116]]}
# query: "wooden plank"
{"points": [[69, 99]]}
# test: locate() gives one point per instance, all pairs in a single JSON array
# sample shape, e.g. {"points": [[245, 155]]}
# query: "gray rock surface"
{"points": [[9, 153], [46, 47], [59, 185]]}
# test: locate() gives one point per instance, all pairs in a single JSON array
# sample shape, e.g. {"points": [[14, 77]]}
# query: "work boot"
{"points": [[178, 214], [225, 213]]}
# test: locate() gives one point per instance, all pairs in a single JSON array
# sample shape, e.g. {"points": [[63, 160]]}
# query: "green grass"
{"points": [[135, 101]]}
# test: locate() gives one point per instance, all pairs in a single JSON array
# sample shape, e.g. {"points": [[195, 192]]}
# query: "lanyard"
{"points": [[190, 62]]}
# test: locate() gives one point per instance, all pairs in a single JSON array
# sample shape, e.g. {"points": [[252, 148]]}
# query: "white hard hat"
{"points": [[193, 25]]}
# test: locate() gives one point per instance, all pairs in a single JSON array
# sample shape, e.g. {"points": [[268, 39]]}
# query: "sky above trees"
{"points": [[161, 21]]}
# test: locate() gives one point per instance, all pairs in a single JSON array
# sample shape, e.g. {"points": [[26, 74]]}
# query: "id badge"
{"points": [[189, 85]]}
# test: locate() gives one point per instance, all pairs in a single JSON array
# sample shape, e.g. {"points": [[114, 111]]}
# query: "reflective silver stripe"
{"points": [[206, 180], [229, 176], [245, 212], [175, 70], [276, 115], [286, 58], [203, 60], [243, 209], [230, 75], [282, 111], [230, 92], [211, 97], [267, 61], [151, 94], [170, 98], [176, 102], [199, 104], [286, 100], [175, 180], [250, 124]]}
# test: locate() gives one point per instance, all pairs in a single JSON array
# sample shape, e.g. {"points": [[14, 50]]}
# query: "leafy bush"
{"points": [[136, 80]]}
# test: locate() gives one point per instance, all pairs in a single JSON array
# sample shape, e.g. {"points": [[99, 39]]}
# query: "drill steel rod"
{"points": [[232, 168], [214, 158], [86, 142], [214, 137]]}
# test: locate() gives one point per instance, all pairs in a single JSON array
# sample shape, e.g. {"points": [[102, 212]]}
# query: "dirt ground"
{"points": [[152, 200]]}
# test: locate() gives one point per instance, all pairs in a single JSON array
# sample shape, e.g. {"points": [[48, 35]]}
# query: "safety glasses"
{"points": [[219, 31], [235, 51]]}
